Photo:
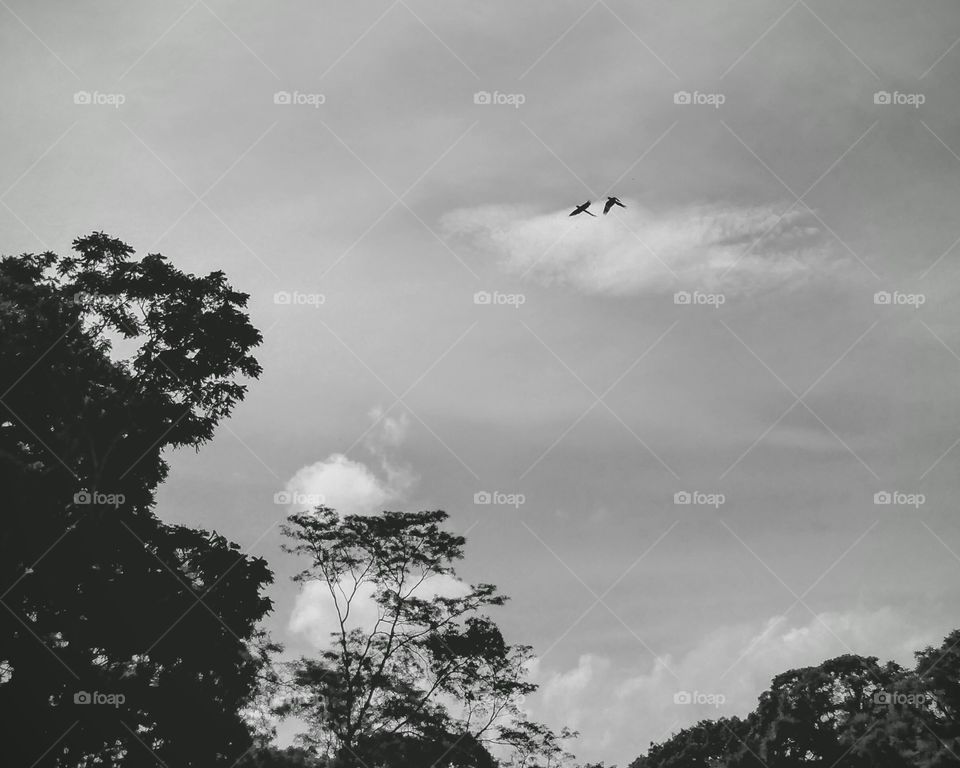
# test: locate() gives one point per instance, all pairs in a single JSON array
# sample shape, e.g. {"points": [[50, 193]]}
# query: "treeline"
{"points": [[126, 641], [849, 712]]}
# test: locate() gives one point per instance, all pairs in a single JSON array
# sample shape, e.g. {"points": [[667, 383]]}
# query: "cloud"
{"points": [[612, 706], [351, 487], [315, 614], [346, 485], [638, 251], [393, 431]]}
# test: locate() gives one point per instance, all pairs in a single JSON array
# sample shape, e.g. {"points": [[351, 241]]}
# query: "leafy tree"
{"points": [[848, 712], [273, 757], [938, 678], [704, 745], [433, 676], [809, 715], [101, 600]]}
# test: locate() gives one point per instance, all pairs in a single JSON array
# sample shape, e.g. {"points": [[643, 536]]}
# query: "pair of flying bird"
{"points": [[611, 201]]}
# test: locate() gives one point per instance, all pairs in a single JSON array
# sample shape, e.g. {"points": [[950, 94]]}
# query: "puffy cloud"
{"points": [[347, 486], [639, 251], [350, 486], [562, 690], [610, 705]]}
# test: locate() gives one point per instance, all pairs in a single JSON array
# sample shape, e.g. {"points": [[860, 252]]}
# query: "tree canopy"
{"points": [[848, 712], [123, 640], [431, 680]]}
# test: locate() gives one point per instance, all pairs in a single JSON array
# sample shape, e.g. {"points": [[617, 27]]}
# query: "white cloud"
{"points": [[563, 689], [346, 485], [392, 431], [610, 705], [351, 487], [638, 251], [315, 614]]}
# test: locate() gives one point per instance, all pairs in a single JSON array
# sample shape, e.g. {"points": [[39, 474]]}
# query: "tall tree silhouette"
{"points": [[123, 640], [431, 680]]}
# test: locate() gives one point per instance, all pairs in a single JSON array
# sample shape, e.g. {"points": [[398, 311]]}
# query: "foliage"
{"points": [[99, 596], [433, 671], [848, 712]]}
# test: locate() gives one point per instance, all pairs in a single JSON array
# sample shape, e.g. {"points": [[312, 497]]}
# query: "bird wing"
{"points": [[608, 206]]}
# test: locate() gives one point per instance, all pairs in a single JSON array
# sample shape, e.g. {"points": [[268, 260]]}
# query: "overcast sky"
{"points": [[814, 165]]}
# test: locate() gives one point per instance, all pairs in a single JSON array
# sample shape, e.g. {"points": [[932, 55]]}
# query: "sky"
{"points": [[768, 331]]}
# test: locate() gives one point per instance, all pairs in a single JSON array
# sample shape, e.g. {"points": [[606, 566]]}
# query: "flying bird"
{"points": [[611, 201], [582, 209]]}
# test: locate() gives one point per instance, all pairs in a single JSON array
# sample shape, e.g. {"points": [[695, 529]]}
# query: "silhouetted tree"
{"points": [[704, 745], [848, 712], [815, 715], [274, 757], [938, 679], [120, 636], [433, 676]]}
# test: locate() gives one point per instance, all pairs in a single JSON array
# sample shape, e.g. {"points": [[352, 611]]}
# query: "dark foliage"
{"points": [[432, 681], [848, 712], [120, 636]]}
